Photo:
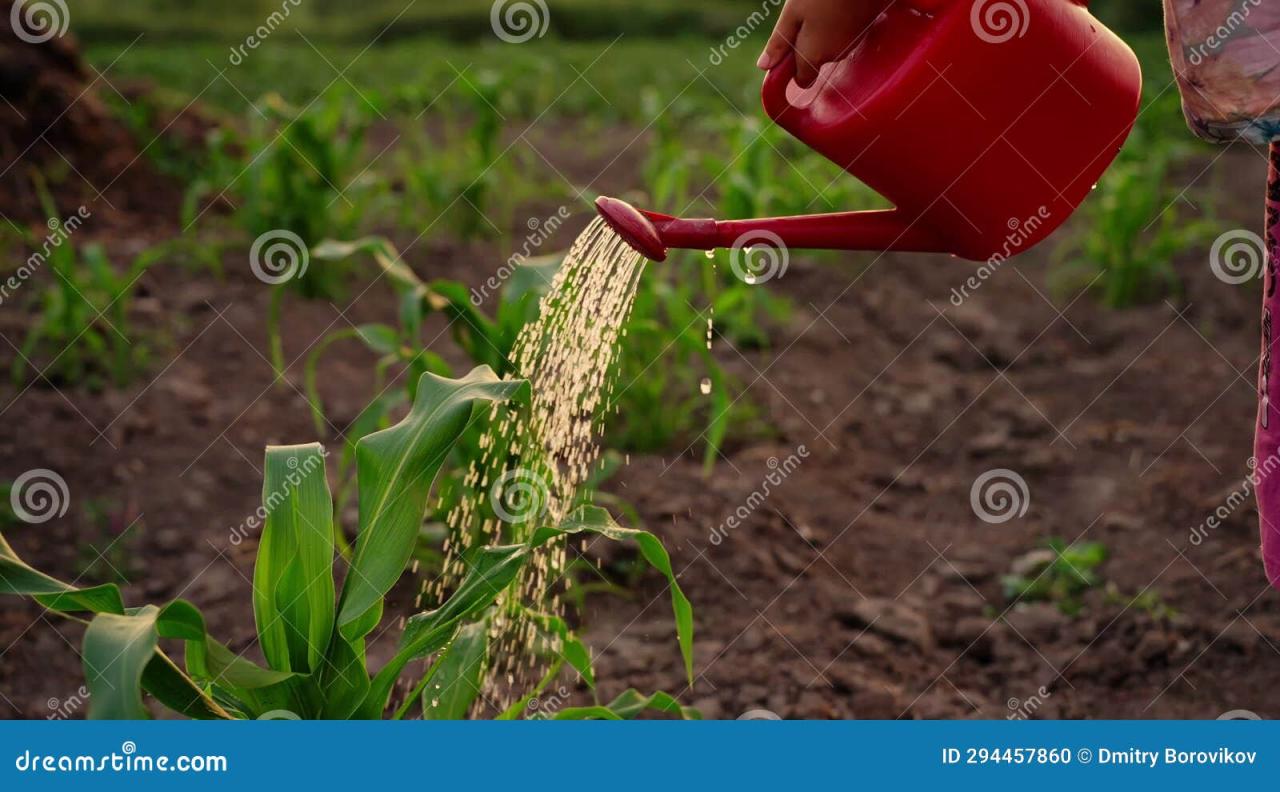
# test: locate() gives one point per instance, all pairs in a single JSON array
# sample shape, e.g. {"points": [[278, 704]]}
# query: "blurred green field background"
{"points": [[460, 19]]}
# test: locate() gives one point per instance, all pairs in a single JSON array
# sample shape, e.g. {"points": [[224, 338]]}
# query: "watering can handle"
{"points": [[774, 92]]}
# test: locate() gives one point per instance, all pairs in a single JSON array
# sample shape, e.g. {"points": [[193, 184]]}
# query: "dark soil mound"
{"points": [[55, 129]]}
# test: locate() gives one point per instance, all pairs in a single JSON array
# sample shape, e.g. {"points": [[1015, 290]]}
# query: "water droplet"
{"points": [[750, 279], [705, 387], [711, 254]]}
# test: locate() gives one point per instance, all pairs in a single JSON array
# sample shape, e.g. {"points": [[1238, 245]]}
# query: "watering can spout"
{"points": [[983, 164], [653, 234]]}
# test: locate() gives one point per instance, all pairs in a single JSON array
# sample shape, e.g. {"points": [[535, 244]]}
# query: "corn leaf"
{"points": [[491, 571], [572, 650], [344, 679], [19, 579], [629, 705], [457, 676], [116, 651], [592, 519], [164, 680], [155, 672], [293, 589], [395, 470]]}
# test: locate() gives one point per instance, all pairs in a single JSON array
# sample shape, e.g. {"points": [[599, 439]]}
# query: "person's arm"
{"points": [[819, 32]]}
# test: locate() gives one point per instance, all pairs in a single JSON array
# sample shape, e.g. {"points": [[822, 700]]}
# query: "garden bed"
{"points": [[862, 586]]}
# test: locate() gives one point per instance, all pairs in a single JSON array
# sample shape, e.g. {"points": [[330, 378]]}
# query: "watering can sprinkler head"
{"points": [[983, 164], [631, 224]]}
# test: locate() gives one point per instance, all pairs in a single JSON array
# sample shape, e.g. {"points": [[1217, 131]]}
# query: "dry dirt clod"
{"points": [[1039, 623], [889, 618]]}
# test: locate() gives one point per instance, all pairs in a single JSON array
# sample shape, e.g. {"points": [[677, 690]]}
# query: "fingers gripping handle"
{"points": [[774, 92]]}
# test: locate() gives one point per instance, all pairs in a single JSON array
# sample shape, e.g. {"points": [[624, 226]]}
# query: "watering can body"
{"points": [[985, 122]]}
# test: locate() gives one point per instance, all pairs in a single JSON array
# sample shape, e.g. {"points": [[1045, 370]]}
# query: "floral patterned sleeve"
{"points": [[1226, 56]]}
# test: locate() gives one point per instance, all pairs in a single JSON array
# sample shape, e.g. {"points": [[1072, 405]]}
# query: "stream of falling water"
{"points": [[534, 462]]}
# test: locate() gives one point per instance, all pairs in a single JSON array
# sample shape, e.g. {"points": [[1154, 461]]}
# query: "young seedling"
{"points": [[312, 632]]}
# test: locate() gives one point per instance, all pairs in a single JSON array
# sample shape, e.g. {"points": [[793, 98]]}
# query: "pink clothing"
{"points": [[1224, 58], [1266, 446]]}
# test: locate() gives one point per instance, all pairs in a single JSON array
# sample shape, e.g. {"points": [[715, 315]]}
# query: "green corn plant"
{"points": [[659, 401], [1061, 577], [1132, 227], [485, 340], [452, 175], [82, 333], [303, 175], [311, 631], [481, 153]]}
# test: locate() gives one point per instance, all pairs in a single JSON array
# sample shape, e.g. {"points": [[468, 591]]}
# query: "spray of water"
{"points": [[534, 461]]}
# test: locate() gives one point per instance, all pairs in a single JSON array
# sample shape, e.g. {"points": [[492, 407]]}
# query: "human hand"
{"points": [[819, 32]]}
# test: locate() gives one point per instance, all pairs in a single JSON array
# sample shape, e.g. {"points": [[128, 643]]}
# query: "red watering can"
{"points": [[985, 122]]}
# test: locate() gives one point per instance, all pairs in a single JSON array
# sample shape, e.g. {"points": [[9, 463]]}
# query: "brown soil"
{"points": [[864, 585], [55, 128]]}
